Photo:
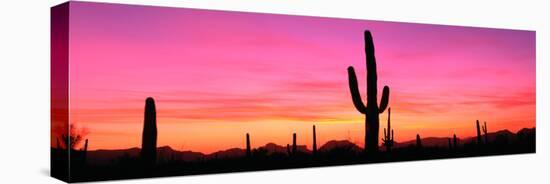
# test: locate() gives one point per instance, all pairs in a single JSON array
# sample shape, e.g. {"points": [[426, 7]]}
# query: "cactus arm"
{"points": [[354, 90], [389, 122], [385, 99]]}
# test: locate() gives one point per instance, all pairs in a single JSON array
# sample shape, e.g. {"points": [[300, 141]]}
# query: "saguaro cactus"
{"points": [[478, 133], [248, 152], [314, 141], [294, 143], [418, 141], [484, 128], [149, 137], [388, 139], [450, 145], [371, 110]]}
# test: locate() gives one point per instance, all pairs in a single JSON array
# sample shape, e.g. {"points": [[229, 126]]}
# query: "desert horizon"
{"points": [[308, 146]]}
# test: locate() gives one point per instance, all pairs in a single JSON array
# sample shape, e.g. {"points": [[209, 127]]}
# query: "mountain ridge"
{"points": [[106, 156]]}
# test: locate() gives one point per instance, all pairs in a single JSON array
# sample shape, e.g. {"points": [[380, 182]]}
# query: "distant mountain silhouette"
{"points": [[274, 148], [104, 156], [229, 153], [493, 137], [166, 153], [426, 142], [527, 131], [270, 148], [339, 144]]}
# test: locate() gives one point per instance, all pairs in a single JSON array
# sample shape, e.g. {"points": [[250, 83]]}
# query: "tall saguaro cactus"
{"points": [[484, 128], [149, 137], [371, 110], [248, 152], [314, 141], [388, 139]]}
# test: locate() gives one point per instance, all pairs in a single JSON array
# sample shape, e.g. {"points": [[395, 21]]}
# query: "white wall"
{"points": [[24, 90]]}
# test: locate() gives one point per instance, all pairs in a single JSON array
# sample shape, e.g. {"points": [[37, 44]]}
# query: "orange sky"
{"points": [[216, 76]]}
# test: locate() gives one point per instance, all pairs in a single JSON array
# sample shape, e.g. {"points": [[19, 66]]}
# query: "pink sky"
{"points": [[217, 75]]}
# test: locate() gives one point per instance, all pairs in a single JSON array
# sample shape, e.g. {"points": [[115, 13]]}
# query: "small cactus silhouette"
{"points": [[85, 152], [450, 144], [371, 110], [418, 141], [85, 145], [484, 128], [388, 139], [248, 152], [294, 143], [149, 137], [314, 141], [478, 133]]}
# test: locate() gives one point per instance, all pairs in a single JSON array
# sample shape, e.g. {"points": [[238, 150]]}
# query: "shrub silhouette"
{"points": [[149, 137], [75, 137], [388, 139], [371, 110]]}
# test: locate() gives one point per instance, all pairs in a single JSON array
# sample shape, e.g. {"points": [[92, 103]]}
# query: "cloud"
{"points": [[298, 105]]}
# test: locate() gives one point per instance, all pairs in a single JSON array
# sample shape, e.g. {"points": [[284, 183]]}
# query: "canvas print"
{"points": [[145, 91]]}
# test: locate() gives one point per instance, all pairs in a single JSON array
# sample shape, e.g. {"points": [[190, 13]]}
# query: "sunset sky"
{"points": [[218, 75]]}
